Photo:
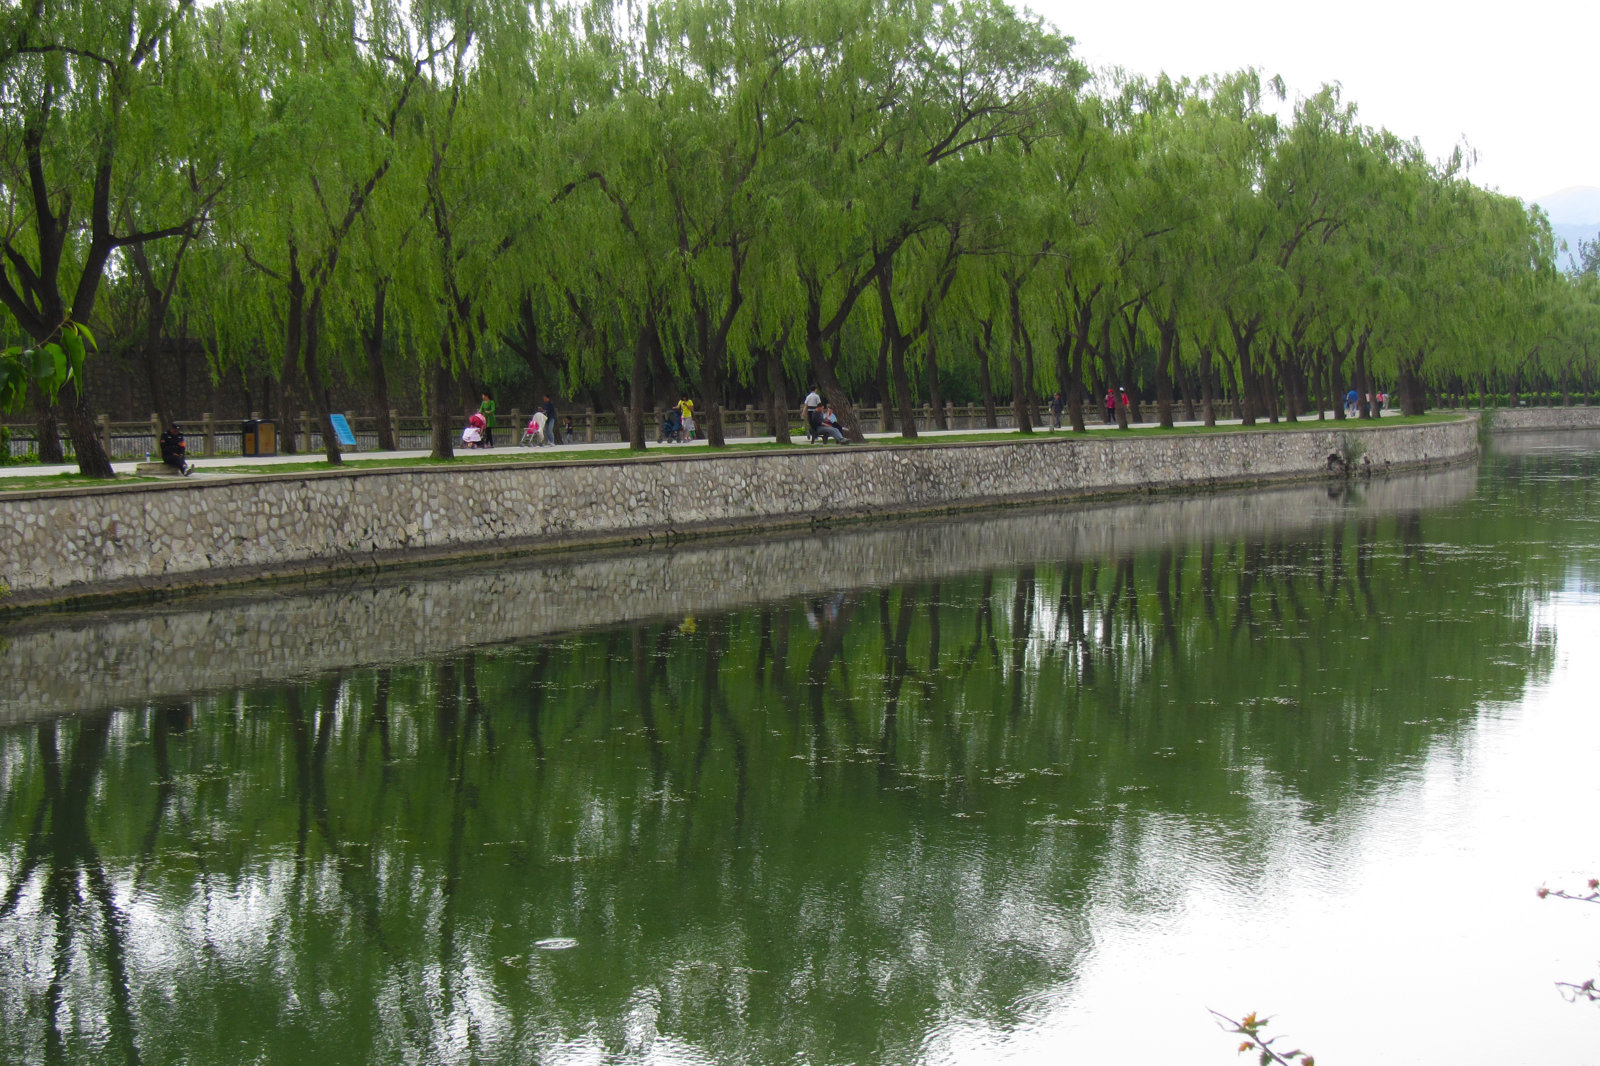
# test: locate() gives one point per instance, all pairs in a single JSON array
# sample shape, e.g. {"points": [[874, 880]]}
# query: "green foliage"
{"points": [[605, 200], [46, 367]]}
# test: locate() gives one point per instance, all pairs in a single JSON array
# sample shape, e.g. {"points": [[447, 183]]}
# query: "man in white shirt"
{"points": [[810, 405]]}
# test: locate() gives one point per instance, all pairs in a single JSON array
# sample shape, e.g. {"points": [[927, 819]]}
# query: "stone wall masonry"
{"points": [[1518, 419], [223, 642], [66, 545]]}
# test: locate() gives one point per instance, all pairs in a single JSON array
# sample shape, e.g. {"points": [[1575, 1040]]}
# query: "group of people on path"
{"points": [[822, 422], [678, 427], [1114, 398], [1375, 400], [541, 428]]}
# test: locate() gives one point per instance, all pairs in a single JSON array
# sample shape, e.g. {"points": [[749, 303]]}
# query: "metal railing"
{"points": [[211, 436]]}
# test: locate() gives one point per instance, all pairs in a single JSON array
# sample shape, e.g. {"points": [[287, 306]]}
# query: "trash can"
{"points": [[258, 437]]}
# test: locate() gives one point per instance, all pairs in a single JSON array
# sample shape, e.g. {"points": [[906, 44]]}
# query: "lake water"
{"points": [[1045, 786]]}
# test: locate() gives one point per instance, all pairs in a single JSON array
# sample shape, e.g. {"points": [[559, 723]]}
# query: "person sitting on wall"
{"points": [[174, 452], [814, 423], [828, 425]]}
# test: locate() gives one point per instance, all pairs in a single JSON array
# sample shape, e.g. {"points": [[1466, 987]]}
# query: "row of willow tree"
{"points": [[910, 199]]}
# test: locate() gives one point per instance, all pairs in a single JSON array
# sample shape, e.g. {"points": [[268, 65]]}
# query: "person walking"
{"points": [[1056, 404], [486, 409], [548, 406], [812, 402], [1111, 405]]}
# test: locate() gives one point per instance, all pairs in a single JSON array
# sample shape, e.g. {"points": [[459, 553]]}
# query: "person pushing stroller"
{"points": [[534, 434]]}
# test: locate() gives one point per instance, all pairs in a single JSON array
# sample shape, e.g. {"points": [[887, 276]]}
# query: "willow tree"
{"points": [[1468, 272], [1575, 343], [620, 236], [338, 81], [1169, 218], [914, 103], [97, 98], [468, 146], [728, 100]]}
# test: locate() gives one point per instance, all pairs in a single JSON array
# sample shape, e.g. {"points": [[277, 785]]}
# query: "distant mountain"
{"points": [[1574, 216], [1577, 206], [1572, 234]]}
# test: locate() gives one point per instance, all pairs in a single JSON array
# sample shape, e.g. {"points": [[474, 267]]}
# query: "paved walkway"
{"points": [[266, 462]]}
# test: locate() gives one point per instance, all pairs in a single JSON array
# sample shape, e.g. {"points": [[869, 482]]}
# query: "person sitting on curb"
{"points": [[174, 452]]}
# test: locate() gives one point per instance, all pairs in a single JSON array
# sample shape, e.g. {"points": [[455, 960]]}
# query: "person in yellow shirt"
{"points": [[686, 415]]}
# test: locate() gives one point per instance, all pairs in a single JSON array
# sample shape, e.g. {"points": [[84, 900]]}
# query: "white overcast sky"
{"points": [[1516, 80]]}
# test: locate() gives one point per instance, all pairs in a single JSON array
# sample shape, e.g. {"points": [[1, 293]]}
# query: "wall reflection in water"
{"points": [[889, 791]]}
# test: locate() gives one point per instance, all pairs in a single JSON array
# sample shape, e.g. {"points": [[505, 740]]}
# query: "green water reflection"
{"points": [[811, 830]]}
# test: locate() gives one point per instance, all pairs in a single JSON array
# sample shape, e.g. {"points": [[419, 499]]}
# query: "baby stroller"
{"points": [[534, 434], [671, 429], [472, 436]]}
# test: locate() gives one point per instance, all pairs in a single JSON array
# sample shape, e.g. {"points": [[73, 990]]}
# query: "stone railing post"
{"points": [[209, 425], [155, 434], [105, 433], [749, 420]]}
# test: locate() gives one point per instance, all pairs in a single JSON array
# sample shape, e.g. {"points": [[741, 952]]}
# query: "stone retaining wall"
{"points": [[222, 642], [64, 545], [1515, 419]]}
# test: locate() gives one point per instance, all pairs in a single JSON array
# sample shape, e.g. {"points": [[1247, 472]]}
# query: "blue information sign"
{"points": [[341, 430]]}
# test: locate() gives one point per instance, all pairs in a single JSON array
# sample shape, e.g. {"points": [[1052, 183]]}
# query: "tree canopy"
{"points": [[900, 202]]}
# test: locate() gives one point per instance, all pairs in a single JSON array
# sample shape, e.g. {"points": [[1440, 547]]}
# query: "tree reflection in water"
{"points": [[804, 830]]}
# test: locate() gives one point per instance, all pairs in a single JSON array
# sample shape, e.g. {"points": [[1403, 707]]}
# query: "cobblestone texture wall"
{"points": [[204, 531], [1531, 418], [220, 642]]}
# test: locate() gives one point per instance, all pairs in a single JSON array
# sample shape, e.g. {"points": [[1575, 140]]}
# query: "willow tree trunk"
{"points": [[319, 391], [440, 426], [935, 397], [991, 418], [642, 343], [886, 402], [84, 434], [372, 344], [777, 396], [1165, 354], [824, 375], [47, 433], [1413, 400], [1020, 355]]}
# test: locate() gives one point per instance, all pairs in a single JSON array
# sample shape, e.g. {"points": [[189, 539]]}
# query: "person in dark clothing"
{"points": [[549, 409], [174, 452]]}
